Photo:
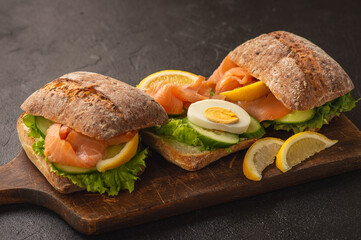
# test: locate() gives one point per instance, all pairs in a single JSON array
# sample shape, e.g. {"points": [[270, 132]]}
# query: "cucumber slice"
{"points": [[42, 124], [255, 130], [214, 137], [73, 169], [297, 117]]}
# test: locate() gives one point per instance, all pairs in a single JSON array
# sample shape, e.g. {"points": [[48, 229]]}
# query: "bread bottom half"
{"points": [[61, 184], [188, 157]]}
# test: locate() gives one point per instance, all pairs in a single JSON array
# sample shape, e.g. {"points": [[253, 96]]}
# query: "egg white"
{"points": [[196, 110]]}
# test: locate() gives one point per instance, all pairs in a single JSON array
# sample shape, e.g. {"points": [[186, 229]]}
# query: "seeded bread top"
{"points": [[95, 105], [299, 73]]}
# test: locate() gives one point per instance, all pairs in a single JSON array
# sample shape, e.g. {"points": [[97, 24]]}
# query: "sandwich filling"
{"points": [[175, 99], [211, 124], [96, 165], [65, 146]]}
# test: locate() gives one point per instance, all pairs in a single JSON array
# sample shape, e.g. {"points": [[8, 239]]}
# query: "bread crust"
{"points": [[61, 184], [299, 73], [188, 157], [95, 105]]}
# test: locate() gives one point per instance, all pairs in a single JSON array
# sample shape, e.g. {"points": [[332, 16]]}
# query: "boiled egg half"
{"points": [[219, 115]]}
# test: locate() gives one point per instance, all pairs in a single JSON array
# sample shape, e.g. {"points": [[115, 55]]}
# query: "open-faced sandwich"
{"points": [[277, 79], [81, 132], [202, 127]]}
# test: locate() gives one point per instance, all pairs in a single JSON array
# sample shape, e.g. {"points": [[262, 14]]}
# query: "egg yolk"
{"points": [[220, 115]]}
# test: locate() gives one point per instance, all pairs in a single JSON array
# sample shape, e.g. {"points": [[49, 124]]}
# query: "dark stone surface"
{"points": [[41, 40]]}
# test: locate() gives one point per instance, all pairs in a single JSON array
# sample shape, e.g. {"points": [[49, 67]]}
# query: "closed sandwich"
{"points": [[284, 81], [81, 132]]}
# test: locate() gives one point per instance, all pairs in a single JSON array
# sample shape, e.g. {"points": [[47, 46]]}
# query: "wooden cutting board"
{"points": [[165, 189]]}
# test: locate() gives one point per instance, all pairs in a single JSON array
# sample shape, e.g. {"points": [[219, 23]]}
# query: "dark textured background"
{"points": [[41, 40]]}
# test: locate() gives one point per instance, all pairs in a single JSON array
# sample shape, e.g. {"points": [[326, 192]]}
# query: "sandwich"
{"points": [[82, 132], [202, 127], [279, 79], [284, 81]]}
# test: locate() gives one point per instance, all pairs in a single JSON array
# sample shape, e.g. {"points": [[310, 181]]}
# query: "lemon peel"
{"points": [[125, 154], [249, 92], [170, 76], [261, 154], [299, 147]]}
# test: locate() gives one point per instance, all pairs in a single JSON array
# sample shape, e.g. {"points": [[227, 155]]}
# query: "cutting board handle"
{"points": [[18, 183]]}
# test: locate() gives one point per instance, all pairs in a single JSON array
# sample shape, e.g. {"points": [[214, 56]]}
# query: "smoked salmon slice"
{"points": [[226, 64], [265, 108], [162, 93], [192, 92], [234, 78], [121, 138], [229, 76], [174, 97], [65, 146]]}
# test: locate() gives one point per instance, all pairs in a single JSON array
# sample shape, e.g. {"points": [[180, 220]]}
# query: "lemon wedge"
{"points": [[170, 76], [119, 154], [261, 154], [247, 93], [299, 147]]}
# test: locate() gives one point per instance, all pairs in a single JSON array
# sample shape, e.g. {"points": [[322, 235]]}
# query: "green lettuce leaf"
{"points": [[111, 181], [29, 121], [323, 113], [38, 146], [180, 130]]}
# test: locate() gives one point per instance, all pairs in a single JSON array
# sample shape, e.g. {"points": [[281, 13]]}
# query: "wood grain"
{"points": [[165, 189]]}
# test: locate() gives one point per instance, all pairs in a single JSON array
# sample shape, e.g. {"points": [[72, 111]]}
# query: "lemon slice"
{"points": [[171, 76], [247, 93], [299, 147], [261, 154], [119, 154]]}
